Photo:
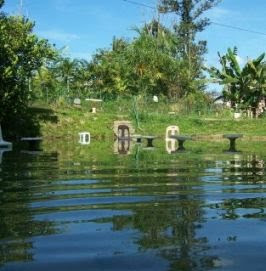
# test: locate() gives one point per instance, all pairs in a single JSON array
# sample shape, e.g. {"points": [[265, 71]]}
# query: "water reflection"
{"points": [[170, 145], [75, 208], [122, 146], [17, 224], [171, 230], [3, 150]]}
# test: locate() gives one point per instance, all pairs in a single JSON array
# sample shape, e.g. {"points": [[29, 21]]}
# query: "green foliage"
{"points": [[244, 87], [21, 54], [154, 63], [189, 22], [63, 78], [198, 103], [149, 65]]}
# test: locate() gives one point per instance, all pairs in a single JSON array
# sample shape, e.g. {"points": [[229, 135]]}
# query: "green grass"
{"points": [[153, 120]]}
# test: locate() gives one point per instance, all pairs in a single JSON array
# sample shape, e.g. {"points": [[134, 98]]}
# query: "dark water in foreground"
{"points": [[81, 208]]}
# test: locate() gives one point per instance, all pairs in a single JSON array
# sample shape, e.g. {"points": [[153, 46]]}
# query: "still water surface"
{"points": [[74, 207]]}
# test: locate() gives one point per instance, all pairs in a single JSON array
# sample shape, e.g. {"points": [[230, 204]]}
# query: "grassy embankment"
{"points": [[151, 118]]}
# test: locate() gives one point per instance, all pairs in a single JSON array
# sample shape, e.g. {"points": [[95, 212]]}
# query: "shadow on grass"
{"points": [[27, 123], [44, 114]]}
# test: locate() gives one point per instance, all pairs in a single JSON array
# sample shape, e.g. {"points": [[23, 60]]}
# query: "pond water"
{"points": [[95, 207]]}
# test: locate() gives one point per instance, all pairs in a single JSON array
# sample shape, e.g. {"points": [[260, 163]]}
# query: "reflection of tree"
{"points": [[249, 169], [255, 166], [17, 223], [168, 193], [168, 224], [170, 228], [243, 175]]}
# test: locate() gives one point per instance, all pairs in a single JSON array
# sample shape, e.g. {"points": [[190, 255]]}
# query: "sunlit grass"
{"points": [[153, 119]]}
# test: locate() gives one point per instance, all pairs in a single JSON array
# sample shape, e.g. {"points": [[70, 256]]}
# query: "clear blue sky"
{"points": [[85, 25]]}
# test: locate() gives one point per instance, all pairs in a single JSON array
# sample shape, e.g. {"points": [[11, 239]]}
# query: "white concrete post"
{"points": [[170, 143], [84, 138]]}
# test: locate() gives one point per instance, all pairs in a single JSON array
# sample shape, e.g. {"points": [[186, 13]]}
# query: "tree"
{"points": [[244, 87], [189, 23], [21, 54], [45, 84], [109, 69], [66, 69], [82, 78], [149, 65], [256, 91]]}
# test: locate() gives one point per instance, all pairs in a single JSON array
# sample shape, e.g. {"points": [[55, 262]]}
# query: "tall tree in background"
{"points": [[190, 21], [66, 69]]}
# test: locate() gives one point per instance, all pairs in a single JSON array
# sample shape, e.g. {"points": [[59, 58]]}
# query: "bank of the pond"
{"points": [[68, 121]]}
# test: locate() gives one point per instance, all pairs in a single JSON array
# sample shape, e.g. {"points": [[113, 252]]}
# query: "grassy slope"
{"points": [[71, 120]]}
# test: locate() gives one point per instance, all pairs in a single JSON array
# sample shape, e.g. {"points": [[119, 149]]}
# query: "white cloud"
{"points": [[58, 35]]}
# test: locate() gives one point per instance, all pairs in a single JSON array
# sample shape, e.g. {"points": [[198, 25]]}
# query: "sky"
{"points": [[83, 26]]}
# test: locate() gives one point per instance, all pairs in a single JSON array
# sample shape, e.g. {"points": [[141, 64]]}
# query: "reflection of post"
{"points": [[123, 132], [122, 146], [170, 145]]}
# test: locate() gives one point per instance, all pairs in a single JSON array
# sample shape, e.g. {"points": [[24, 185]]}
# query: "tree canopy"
{"points": [[189, 22], [244, 86], [158, 61], [21, 54]]}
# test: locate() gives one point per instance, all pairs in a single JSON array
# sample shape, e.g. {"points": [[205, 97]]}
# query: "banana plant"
{"points": [[242, 86], [257, 87]]}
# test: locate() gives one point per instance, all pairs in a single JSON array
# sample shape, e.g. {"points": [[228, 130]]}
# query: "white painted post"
{"points": [[170, 143], [172, 130], [84, 138]]}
